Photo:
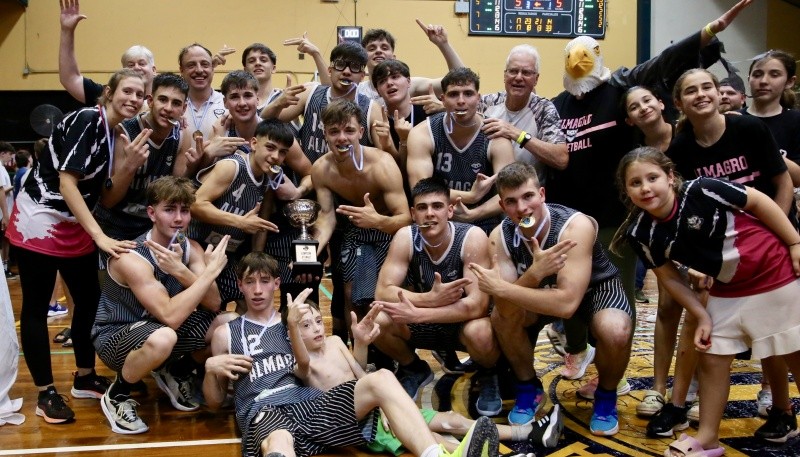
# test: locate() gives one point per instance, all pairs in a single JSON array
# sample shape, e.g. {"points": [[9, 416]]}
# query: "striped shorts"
{"points": [[121, 340], [316, 425], [436, 336]]}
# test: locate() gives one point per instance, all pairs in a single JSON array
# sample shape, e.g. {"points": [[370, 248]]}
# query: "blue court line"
{"points": [[325, 291]]}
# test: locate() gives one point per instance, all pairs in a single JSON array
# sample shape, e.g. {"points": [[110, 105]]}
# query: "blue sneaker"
{"points": [[521, 414], [56, 309], [605, 421]]}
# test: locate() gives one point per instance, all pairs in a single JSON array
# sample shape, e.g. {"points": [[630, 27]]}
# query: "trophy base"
{"points": [[313, 269], [304, 259]]}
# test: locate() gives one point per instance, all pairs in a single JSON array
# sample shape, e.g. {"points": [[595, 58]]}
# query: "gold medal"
{"points": [[527, 222], [197, 135], [275, 169]]}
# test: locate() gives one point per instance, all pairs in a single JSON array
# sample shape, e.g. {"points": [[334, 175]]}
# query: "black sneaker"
{"points": [[780, 426], [547, 430], [91, 385], [489, 402], [52, 408], [413, 381], [667, 421], [451, 364]]}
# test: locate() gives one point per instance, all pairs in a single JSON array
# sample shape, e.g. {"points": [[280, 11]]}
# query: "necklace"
{"points": [[419, 246]]}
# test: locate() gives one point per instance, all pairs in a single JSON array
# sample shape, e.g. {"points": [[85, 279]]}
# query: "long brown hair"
{"points": [[114, 81], [683, 122], [644, 154]]}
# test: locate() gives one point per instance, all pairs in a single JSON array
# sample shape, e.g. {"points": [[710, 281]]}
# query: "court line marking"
{"points": [[114, 447]]}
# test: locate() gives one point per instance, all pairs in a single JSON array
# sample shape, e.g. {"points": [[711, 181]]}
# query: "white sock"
{"points": [[434, 450], [520, 432]]}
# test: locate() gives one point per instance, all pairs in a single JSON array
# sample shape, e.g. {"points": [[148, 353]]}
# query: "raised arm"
{"points": [[290, 104], [438, 36], [298, 314], [130, 156], [305, 46], [68, 73]]}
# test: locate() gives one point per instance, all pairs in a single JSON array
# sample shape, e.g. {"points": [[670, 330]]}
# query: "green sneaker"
{"points": [[481, 440]]}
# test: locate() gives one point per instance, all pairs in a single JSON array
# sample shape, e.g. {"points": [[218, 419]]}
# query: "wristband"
{"points": [[708, 30], [521, 137]]}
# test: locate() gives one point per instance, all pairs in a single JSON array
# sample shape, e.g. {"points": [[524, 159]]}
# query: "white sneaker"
{"points": [[575, 364], [652, 403], [764, 401], [179, 390], [122, 416]]}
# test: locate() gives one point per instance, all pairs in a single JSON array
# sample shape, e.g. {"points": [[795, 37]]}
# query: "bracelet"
{"points": [[708, 30], [521, 137]]}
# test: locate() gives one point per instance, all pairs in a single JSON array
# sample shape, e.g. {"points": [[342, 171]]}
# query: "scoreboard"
{"points": [[538, 18]]}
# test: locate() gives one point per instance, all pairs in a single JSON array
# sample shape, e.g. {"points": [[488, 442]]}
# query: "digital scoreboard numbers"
{"points": [[538, 18]]}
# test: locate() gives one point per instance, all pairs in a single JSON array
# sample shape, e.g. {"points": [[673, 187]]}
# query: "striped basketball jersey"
{"points": [[241, 196], [272, 371], [560, 217], [118, 304], [450, 265], [128, 219], [312, 134], [233, 133], [460, 167]]}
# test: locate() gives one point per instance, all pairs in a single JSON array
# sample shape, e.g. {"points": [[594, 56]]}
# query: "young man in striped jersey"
{"points": [[158, 307], [444, 309], [280, 418]]}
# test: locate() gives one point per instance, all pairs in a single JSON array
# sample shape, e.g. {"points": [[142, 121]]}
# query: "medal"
{"points": [[109, 183], [527, 222], [197, 135]]}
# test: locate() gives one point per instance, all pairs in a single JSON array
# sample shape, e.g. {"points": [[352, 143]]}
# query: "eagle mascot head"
{"points": [[583, 66]]}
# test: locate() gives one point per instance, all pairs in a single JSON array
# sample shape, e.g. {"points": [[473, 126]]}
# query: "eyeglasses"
{"points": [[340, 65], [513, 72]]}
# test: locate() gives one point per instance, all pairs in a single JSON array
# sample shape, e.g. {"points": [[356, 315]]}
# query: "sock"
{"points": [[434, 450], [120, 387], [526, 392], [520, 432], [182, 367], [83, 375]]}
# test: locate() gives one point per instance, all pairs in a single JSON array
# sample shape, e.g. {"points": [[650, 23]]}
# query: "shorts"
{"points": [[436, 336], [768, 322], [386, 442], [608, 294], [316, 425], [121, 340]]}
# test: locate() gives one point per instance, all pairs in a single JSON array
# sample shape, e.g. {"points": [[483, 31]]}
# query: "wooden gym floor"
{"points": [[182, 434]]}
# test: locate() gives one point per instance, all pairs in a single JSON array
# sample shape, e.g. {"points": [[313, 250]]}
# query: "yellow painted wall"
{"points": [[31, 36], [782, 27]]}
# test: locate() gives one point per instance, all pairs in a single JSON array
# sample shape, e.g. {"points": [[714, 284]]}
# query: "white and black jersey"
{"points": [[312, 134], [710, 233], [272, 372], [42, 221], [243, 194], [560, 217], [128, 219], [450, 265], [119, 305], [460, 167]]}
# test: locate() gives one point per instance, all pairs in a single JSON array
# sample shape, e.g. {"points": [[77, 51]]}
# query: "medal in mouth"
{"points": [[345, 82], [527, 222], [275, 169], [426, 225]]}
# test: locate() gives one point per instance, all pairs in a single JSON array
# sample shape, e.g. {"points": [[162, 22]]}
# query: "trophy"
{"points": [[303, 213]]}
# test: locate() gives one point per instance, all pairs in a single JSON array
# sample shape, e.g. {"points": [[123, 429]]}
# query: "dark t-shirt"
{"points": [[785, 128], [746, 153]]}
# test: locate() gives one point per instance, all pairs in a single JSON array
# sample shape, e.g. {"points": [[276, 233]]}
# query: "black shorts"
{"points": [[316, 425]]}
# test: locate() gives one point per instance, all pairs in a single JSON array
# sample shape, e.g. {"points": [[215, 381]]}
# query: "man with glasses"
{"points": [[346, 72], [528, 120]]}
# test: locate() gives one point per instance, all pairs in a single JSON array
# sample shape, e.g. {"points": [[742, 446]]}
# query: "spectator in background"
{"points": [[24, 162], [732, 96], [7, 152]]}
